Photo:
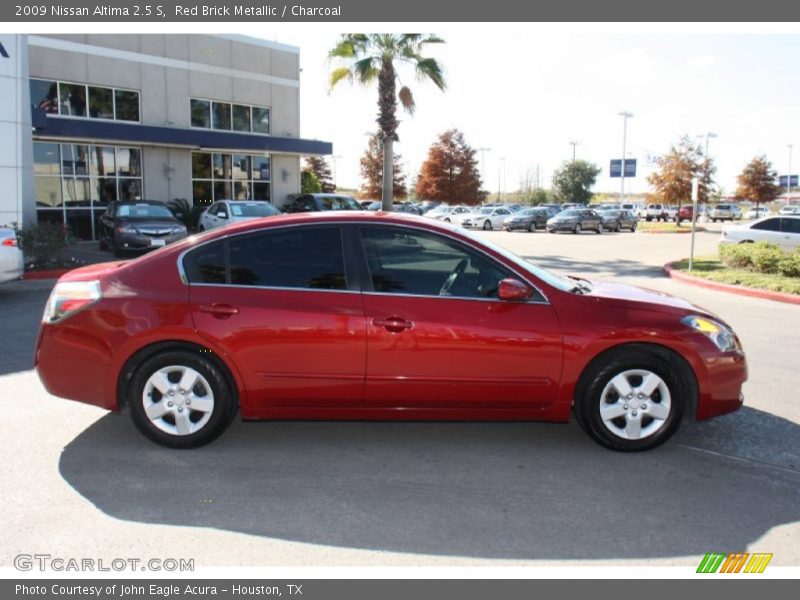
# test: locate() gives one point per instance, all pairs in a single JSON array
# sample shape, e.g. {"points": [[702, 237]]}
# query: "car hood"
{"points": [[159, 222], [638, 297]]}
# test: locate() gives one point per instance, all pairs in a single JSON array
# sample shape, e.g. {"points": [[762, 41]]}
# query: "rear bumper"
{"points": [[12, 264]]}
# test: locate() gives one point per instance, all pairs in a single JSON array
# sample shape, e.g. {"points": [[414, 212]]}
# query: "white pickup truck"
{"points": [[656, 212]]}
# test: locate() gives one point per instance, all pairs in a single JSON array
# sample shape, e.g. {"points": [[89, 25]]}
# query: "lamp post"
{"points": [[500, 171], [483, 150], [335, 180], [789, 175], [574, 145], [625, 116]]}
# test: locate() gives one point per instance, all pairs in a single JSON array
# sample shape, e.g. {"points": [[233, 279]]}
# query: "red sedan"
{"points": [[377, 316]]}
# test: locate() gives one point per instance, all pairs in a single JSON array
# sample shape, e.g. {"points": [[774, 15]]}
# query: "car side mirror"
{"points": [[513, 290], [222, 215]]}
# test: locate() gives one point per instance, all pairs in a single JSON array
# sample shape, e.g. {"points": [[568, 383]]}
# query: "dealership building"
{"points": [[89, 119]]}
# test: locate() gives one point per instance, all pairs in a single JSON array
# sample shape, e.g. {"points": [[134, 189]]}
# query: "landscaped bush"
{"points": [[186, 212], [42, 244], [761, 257]]}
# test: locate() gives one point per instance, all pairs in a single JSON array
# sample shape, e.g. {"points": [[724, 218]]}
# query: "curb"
{"points": [[674, 273], [51, 274], [698, 230]]}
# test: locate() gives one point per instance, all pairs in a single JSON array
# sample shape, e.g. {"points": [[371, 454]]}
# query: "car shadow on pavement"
{"points": [[22, 304], [618, 267], [488, 490]]}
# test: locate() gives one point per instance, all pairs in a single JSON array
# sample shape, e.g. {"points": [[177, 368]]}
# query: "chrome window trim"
{"points": [[526, 278]]}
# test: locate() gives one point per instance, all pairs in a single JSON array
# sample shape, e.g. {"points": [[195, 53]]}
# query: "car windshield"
{"points": [[611, 213], [339, 203], [253, 209], [557, 281], [528, 212], [571, 212], [143, 211], [484, 211]]}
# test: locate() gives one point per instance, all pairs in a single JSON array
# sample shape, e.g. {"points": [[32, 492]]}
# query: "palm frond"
{"points": [[338, 75], [365, 69], [407, 99], [429, 68]]}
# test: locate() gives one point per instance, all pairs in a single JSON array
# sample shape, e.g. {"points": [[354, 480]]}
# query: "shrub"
{"points": [[736, 256], [789, 265], [186, 212], [42, 244], [761, 257], [766, 257]]}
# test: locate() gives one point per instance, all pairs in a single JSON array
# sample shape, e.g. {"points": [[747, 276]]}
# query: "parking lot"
{"points": [[80, 482]]}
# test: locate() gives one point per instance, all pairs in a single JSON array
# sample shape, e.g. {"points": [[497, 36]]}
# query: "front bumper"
{"points": [[516, 225], [561, 226], [137, 241]]}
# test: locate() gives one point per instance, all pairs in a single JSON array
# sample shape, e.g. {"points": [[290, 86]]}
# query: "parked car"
{"points": [[576, 220], [447, 212], [455, 327], [397, 207], [321, 202], [488, 218], [138, 225], [568, 205], [656, 212], [684, 213], [12, 263], [724, 212], [781, 230], [555, 206], [756, 212], [635, 208], [617, 219], [790, 209], [225, 212], [529, 219]]}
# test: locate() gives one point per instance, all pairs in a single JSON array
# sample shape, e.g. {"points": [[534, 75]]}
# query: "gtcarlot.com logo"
{"points": [[734, 562], [47, 562]]}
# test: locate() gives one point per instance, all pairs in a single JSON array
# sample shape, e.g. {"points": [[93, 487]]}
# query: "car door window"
{"points": [[768, 225], [310, 257], [213, 210], [790, 226], [403, 261], [206, 264]]}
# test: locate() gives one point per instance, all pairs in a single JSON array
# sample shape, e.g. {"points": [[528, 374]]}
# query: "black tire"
{"points": [[201, 229], [487, 225], [647, 219], [577, 229], [599, 229], [102, 243], [531, 227], [633, 227], [589, 397], [224, 399], [118, 252]]}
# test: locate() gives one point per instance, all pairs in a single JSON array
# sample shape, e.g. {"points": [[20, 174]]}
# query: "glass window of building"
{"points": [[126, 104], [75, 182], [101, 103], [72, 99], [221, 115], [260, 120], [201, 113], [241, 118], [221, 176], [44, 95]]}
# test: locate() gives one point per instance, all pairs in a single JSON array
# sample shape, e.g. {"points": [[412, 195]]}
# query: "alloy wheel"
{"points": [[178, 400], [635, 404]]}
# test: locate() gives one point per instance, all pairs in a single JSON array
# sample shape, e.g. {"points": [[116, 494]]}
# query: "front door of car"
{"points": [[280, 304], [439, 337]]}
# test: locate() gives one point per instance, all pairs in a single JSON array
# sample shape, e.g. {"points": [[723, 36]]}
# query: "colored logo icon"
{"points": [[735, 562]]}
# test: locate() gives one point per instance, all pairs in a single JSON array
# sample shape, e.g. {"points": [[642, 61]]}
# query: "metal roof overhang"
{"points": [[97, 131]]}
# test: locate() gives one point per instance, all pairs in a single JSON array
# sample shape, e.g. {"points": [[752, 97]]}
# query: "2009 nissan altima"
{"points": [[377, 316]]}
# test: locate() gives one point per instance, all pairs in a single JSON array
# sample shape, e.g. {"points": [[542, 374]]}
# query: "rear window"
{"points": [[723, 207]]}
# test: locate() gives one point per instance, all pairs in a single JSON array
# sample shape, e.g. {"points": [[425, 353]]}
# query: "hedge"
{"points": [[761, 257]]}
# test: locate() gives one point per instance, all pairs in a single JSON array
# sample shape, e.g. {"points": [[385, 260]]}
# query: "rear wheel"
{"points": [[599, 229], [531, 227], [577, 229], [181, 400], [631, 400], [116, 248], [633, 227], [487, 225]]}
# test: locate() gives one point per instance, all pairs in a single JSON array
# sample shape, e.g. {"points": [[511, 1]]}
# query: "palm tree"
{"points": [[367, 57]]}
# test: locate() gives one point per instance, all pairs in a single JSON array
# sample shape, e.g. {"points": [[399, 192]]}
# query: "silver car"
{"points": [[225, 212]]}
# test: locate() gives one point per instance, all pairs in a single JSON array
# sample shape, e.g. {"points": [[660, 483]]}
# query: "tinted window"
{"points": [[127, 105], [411, 262], [296, 258], [206, 264], [768, 225], [790, 225]]}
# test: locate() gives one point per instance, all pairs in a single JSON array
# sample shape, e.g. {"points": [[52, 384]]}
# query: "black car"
{"points": [[576, 220], [617, 219], [320, 202], [529, 219], [138, 225]]}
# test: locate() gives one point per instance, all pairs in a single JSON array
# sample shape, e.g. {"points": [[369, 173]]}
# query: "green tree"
{"points": [[573, 181], [366, 58], [319, 167], [309, 184], [758, 181], [677, 168]]}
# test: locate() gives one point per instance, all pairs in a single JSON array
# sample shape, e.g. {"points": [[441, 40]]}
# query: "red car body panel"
{"points": [[318, 354]]}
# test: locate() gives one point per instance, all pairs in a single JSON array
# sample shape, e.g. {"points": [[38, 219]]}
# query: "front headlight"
{"points": [[179, 229], [722, 337]]}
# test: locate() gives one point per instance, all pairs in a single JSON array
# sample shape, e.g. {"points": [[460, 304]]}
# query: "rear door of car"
{"points": [[459, 348], [768, 230], [283, 304], [790, 233]]}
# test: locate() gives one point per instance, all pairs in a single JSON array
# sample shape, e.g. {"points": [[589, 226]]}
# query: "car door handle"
{"points": [[393, 324], [219, 310]]}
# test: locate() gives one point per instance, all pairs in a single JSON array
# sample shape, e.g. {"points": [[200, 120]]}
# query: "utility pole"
{"points": [[574, 144]]}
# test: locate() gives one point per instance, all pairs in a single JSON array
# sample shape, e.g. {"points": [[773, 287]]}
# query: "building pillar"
{"points": [[17, 199]]}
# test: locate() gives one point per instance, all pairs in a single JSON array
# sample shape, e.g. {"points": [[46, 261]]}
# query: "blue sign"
{"points": [[616, 167], [793, 182]]}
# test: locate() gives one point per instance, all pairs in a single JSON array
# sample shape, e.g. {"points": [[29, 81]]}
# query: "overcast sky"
{"points": [[526, 91]]}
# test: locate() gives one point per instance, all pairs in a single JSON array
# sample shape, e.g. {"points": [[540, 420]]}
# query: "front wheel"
{"points": [[599, 229], [487, 225], [531, 227], [577, 229], [633, 227], [631, 401], [181, 400]]}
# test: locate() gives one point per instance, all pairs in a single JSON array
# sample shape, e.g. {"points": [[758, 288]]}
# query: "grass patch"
{"points": [[709, 267], [668, 227]]}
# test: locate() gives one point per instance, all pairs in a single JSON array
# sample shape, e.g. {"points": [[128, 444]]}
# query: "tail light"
{"points": [[70, 297], [10, 242]]}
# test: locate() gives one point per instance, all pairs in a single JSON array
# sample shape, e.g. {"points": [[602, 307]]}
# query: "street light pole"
{"points": [[335, 180], [789, 175], [625, 116], [483, 152], [574, 144], [500, 168]]}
